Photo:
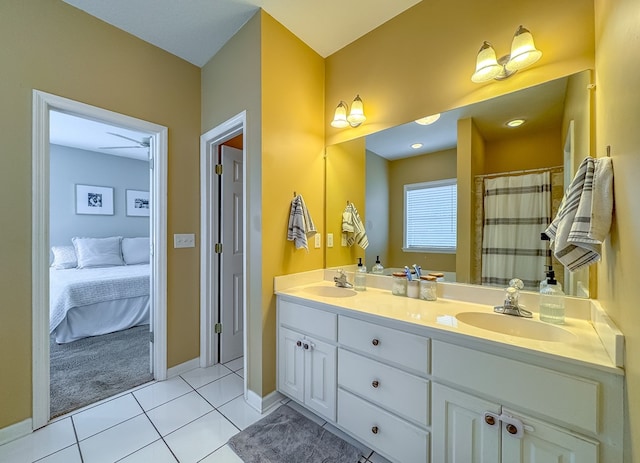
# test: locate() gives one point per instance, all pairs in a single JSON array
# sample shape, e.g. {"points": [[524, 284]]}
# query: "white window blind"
{"points": [[430, 216]]}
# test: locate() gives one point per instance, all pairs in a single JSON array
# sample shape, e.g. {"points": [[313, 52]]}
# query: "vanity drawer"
{"points": [[402, 393], [405, 349], [307, 320], [382, 431], [570, 399]]}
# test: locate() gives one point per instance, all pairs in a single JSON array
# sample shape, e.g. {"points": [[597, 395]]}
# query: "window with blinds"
{"points": [[430, 216]]}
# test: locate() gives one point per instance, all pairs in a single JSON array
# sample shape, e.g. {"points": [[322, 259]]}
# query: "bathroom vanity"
{"points": [[414, 382]]}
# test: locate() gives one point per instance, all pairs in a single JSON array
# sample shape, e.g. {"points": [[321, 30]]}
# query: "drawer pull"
{"points": [[306, 346], [375, 342], [374, 430], [298, 343], [490, 420], [512, 429], [375, 383]]}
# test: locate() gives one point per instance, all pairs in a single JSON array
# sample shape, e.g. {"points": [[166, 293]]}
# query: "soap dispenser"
{"points": [[377, 268], [551, 300], [360, 279]]}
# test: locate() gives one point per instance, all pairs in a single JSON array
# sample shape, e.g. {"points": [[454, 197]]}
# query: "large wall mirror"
{"points": [[475, 146]]}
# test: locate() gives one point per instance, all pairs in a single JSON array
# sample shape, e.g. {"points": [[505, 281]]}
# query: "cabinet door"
{"points": [[459, 431], [543, 443], [290, 364], [320, 377]]}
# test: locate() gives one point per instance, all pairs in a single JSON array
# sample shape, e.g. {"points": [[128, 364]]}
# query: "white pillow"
{"points": [[64, 257], [98, 252], [136, 250]]}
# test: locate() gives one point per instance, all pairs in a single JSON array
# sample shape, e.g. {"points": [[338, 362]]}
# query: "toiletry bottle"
{"points": [[360, 280], [377, 268], [548, 274], [552, 301]]}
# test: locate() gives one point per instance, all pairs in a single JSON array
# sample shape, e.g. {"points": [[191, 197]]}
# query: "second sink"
{"points": [[516, 326]]}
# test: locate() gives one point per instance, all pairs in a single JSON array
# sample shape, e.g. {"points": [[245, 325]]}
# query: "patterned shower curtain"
{"points": [[517, 209]]}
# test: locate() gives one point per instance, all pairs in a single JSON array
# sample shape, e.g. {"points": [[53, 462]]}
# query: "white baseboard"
{"points": [[16, 431], [261, 404], [183, 367]]}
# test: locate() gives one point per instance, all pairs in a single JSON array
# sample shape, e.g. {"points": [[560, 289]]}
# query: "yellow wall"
{"points": [[53, 47], [421, 61], [617, 102], [529, 151], [292, 160], [345, 168], [416, 169]]}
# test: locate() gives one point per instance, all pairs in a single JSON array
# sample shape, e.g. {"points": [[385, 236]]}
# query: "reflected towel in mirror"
{"points": [[353, 228]]}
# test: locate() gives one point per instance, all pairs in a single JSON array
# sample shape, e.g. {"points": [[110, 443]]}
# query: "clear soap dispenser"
{"points": [[377, 268], [360, 279], [552, 300]]}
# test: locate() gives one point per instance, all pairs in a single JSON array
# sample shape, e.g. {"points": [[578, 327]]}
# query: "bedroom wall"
{"points": [[59, 49], [71, 166]]}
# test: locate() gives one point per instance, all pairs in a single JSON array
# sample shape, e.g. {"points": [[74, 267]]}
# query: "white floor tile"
{"points": [[39, 444], [223, 390], [175, 414], [157, 452], [375, 458], [222, 455], [236, 364], [304, 412], [201, 437], [68, 455], [201, 376], [162, 392], [119, 441], [101, 417], [241, 414], [240, 372]]}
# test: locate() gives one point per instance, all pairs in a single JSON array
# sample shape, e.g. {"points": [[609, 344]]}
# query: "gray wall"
{"points": [[71, 166], [377, 209]]}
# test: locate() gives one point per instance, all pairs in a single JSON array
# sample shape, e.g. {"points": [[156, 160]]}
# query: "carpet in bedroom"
{"points": [[92, 369]]}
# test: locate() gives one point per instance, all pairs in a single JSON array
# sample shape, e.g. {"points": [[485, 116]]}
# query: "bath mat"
{"points": [[286, 436]]}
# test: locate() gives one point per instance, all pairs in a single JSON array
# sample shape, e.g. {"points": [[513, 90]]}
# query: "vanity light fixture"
{"points": [[523, 54], [515, 123], [354, 118], [428, 120], [415, 146]]}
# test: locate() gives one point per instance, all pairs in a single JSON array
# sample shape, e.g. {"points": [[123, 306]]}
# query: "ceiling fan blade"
{"points": [[127, 138], [118, 147]]}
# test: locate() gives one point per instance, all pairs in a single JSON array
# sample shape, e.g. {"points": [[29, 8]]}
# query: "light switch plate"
{"points": [[329, 240], [318, 241], [343, 240], [184, 240]]}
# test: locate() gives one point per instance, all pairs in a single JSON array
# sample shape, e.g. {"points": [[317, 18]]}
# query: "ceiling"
{"points": [[541, 107], [195, 30]]}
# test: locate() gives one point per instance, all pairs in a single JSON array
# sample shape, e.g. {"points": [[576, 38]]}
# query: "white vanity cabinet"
{"points": [[307, 357], [469, 429]]}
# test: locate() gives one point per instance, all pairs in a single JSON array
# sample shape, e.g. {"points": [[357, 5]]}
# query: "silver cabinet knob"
{"points": [[375, 342]]}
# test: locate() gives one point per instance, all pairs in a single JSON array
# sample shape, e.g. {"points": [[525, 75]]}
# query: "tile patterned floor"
{"points": [[188, 418]]}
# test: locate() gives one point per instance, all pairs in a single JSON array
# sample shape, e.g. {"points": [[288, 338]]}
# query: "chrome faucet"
{"points": [[341, 280], [511, 305]]}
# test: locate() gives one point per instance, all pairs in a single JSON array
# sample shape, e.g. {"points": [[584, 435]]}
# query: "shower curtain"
{"points": [[517, 209]]}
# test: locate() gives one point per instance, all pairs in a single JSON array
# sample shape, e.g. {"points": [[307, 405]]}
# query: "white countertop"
{"points": [[438, 320]]}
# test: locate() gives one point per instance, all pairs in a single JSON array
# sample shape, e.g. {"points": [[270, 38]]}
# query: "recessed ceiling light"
{"points": [[415, 146], [428, 120], [515, 123]]}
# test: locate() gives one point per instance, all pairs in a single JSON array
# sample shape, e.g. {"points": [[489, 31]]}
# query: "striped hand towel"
{"points": [[584, 218], [301, 224], [353, 228]]}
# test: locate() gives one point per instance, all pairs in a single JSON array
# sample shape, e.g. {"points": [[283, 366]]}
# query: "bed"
{"points": [[95, 300]]}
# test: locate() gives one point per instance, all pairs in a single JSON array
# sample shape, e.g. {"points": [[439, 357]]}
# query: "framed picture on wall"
{"points": [[94, 200], [137, 203]]}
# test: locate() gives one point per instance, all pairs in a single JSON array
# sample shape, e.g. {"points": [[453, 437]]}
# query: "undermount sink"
{"points": [[516, 326], [330, 291]]}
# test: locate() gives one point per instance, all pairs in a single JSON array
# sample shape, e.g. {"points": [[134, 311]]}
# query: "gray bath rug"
{"points": [[285, 436]]}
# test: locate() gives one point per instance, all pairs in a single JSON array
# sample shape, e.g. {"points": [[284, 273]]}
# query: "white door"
{"points": [[460, 432], [543, 443], [320, 377], [291, 363], [231, 271]]}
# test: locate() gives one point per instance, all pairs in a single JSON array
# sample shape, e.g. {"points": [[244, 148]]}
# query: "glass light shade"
{"points": [[356, 116], [487, 66], [340, 117], [523, 51], [428, 120]]}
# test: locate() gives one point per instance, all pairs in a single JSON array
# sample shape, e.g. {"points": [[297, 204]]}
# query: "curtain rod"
{"points": [[513, 172]]}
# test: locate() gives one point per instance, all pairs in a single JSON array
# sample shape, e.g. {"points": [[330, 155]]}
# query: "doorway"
{"points": [[223, 244], [43, 104]]}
